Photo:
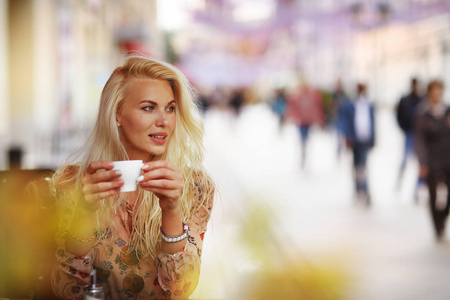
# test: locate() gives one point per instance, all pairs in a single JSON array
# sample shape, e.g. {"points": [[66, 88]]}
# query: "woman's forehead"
{"points": [[149, 89]]}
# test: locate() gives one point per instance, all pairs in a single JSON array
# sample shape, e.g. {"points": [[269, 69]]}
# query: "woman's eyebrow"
{"points": [[148, 101], [156, 103]]}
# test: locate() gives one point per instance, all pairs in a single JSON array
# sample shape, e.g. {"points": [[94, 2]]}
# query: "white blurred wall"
{"points": [[4, 105], [55, 57]]}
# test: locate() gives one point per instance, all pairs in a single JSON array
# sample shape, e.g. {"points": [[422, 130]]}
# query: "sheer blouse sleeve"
{"points": [[178, 273], [70, 273]]}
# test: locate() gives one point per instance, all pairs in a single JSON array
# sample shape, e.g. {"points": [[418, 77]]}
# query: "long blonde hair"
{"points": [[185, 150]]}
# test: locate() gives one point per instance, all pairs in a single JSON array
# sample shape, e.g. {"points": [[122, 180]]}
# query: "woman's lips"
{"points": [[159, 137]]}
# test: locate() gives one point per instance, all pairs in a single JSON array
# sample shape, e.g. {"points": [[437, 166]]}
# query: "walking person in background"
{"points": [[237, 100], [359, 129], [305, 109], [406, 114], [340, 98], [279, 105], [433, 150]]}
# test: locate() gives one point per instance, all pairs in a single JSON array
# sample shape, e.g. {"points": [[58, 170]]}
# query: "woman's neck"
{"points": [[132, 198]]}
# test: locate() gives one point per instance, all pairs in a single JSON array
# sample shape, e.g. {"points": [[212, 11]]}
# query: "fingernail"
{"points": [[118, 172], [110, 164], [145, 167], [140, 178]]}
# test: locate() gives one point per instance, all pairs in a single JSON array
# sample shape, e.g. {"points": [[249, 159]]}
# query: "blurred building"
{"points": [[269, 42], [57, 57]]}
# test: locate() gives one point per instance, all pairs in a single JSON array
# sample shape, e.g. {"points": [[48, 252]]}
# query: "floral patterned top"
{"points": [[123, 275]]}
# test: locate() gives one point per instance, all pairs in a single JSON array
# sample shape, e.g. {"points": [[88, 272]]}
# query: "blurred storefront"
{"points": [[58, 55]]}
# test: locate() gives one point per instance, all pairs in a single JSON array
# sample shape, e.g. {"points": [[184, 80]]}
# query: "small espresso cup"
{"points": [[131, 170]]}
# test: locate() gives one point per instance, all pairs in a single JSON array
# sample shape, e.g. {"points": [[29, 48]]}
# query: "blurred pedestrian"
{"points": [[305, 109], [202, 99], [279, 105], [237, 100], [358, 117], [340, 98], [406, 115], [433, 150], [202, 103]]}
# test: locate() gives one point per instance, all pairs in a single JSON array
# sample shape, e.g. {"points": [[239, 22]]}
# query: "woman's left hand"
{"points": [[165, 181]]}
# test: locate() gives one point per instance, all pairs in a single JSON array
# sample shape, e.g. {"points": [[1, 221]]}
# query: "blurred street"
{"points": [[388, 250]]}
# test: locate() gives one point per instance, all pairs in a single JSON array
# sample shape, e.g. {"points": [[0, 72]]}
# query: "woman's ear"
{"points": [[118, 119]]}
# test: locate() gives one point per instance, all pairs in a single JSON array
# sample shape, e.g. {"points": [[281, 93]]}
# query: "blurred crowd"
{"points": [[421, 114]]}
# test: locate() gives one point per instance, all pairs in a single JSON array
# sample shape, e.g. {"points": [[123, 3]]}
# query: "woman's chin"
{"points": [[156, 153]]}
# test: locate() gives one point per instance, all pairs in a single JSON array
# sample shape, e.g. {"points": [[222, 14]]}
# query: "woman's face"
{"points": [[147, 118]]}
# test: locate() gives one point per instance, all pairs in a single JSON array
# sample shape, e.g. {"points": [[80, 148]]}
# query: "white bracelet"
{"points": [[176, 238]]}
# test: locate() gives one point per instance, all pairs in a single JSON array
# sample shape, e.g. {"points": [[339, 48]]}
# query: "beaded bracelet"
{"points": [[176, 238], [70, 234]]}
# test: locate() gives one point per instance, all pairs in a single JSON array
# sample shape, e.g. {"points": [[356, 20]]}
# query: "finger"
{"points": [[160, 174], [102, 186], [102, 176], [161, 183], [158, 164], [169, 194], [98, 165], [94, 198]]}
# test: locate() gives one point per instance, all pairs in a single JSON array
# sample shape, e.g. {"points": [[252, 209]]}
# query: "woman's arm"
{"points": [[98, 183], [76, 237], [70, 272], [179, 262], [178, 273], [166, 182], [420, 144]]}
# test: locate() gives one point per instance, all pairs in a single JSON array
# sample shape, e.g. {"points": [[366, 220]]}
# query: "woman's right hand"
{"points": [[100, 181]]}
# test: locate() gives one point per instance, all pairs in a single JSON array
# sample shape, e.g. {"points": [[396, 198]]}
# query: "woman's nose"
{"points": [[161, 120]]}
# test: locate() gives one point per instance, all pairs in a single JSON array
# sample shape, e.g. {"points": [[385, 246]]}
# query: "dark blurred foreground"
{"points": [[27, 228]]}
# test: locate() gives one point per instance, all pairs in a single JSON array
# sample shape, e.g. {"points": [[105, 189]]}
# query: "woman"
{"points": [[433, 147], [146, 113]]}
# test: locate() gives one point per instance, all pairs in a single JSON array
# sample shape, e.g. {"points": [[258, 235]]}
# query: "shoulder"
{"points": [[203, 190], [65, 178], [203, 183], [421, 109]]}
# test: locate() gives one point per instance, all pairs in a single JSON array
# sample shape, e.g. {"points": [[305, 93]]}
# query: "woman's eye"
{"points": [[171, 108], [148, 108]]}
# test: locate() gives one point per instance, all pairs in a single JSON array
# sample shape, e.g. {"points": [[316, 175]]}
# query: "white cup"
{"points": [[131, 170]]}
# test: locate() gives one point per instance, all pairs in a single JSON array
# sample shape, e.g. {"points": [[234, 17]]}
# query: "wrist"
{"points": [[171, 213], [87, 207], [172, 223], [175, 239]]}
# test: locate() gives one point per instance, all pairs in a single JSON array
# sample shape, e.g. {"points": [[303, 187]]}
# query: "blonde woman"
{"points": [[146, 113]]}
